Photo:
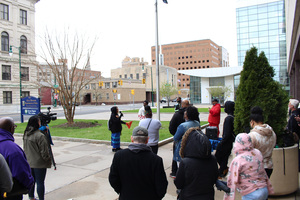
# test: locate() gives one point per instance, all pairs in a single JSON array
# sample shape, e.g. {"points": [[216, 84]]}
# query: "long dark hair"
{"points": [[33, 124]]}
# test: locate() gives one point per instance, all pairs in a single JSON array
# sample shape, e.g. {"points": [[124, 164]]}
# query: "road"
{"points": [[80, 110]]}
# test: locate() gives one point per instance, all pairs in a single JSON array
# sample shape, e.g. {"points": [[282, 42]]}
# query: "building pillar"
{"points": [[297, 81]]}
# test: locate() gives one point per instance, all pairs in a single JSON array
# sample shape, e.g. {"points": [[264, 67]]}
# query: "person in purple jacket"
{"points": [[14, 156]]}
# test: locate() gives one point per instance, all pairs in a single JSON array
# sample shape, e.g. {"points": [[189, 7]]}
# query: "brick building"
{"points": [[200, 54]]}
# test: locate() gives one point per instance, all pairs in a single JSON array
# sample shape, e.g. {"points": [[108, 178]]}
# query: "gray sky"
{"points": [[127, 27]]}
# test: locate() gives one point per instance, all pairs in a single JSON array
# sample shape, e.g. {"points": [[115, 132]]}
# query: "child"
{"points": [[246, 172]]}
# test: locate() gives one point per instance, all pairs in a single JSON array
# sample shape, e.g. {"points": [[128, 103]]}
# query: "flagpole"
{"points": [[157, 65]]}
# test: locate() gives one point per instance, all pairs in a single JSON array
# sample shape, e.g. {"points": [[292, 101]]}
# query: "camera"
{"points": [[47, 117]]}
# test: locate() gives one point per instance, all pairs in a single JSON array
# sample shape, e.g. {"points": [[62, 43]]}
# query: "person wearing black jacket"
{"points": [[225, 146], [114, 125], [176, 120], [198, 169], [136, 173]]}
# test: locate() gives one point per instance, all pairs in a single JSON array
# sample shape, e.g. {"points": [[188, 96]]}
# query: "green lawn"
{"points": [[167, 110], [98, 132]]}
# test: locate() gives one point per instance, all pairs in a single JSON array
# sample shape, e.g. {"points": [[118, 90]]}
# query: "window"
{"points": [[23, 44], [93, 86], [120, 76], [138, 76], [107, 95], [25, 73], [114, 84], [7, 97], [203, 61], [131, 76], [186, 57], [25, 94], [179, 58], [107, 85], [4, 41], [87, 87], [182, 57], [3, 11], [219, 81], [207, 60], [125, 76], [144, 75], [6, 72], [23, 17]]}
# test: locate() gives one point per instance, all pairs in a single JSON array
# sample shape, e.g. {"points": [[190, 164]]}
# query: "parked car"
{"points": [[163, 100], [174, 100]]}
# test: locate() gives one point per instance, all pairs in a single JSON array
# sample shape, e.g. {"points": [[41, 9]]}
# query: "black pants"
{"points": [[269, 172], [154, 149], [174, 163]]}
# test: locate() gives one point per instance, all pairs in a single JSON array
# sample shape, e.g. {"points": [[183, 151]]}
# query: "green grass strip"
{"points": [[98, 132]]}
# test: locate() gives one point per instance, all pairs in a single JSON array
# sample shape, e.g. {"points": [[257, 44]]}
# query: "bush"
{"points": [[258, 88]]}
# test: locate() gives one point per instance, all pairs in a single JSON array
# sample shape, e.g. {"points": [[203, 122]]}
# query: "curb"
{"points": [[91, 141]]}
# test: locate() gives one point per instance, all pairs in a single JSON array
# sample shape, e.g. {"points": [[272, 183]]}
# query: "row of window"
{"points": [[191, 62], [6, 73], [4, 14], [7, 96], [199, 67], [5, 43]]}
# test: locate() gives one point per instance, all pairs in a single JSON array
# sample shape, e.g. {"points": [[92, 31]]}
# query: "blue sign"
{"points": [[30, 106]]}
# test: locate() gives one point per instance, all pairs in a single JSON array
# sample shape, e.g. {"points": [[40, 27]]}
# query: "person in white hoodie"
{"points": [[263, 137]]}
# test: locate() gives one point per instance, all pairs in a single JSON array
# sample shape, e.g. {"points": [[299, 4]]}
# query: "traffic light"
{"points": [[114, 91], [144, 81], [120, 82], [179, 92], [132, 92], [100, 83]]}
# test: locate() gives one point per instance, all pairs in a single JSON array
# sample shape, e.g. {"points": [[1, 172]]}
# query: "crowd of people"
{"points": [[137, 172]]}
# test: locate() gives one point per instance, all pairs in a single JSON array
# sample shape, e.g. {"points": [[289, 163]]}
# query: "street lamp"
{"points": [[143, 69], [11, 53]]}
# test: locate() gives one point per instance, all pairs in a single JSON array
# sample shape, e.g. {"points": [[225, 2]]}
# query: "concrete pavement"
{"points": [[83, 166]]}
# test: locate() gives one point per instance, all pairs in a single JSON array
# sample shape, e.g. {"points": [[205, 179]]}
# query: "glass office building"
{"points": [[262, 24]]}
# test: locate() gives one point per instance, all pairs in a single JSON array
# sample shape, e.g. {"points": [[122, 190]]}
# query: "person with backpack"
{"points": [[225, 146], [153, 126]]}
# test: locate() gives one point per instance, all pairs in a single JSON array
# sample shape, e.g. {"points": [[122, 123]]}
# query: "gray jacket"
{"points": [[6, 181], [36, 148]]}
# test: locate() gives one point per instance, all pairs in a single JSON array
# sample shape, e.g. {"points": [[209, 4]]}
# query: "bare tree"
{"points": [[67, 57]]}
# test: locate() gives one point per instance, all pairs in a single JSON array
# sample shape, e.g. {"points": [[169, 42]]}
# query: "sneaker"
{"points": [[172, 176]]}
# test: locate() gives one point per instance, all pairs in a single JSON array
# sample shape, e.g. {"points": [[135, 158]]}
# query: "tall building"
{"points": [[200, 54], [261, 23], [17, 28], [293, 45], [135, 69]]}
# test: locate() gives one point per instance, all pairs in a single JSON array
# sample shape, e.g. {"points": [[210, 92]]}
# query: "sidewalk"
{"points": [[83, 167]]}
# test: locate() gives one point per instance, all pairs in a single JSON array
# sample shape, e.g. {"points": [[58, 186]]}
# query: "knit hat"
{"points": [[294, 102], [139, 131]]}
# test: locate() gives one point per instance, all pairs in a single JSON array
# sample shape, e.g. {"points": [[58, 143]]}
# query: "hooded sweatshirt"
{"points": [[114, 121], [264, 139], [16, 159], [246, 173], [198, 170], [36, 148]]}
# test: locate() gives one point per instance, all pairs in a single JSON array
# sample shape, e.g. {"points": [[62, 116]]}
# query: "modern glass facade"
{"points": [[263, 26], [195, 89]]}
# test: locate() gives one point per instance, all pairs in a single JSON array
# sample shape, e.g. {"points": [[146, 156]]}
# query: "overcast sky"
{"points": [[127, 27]]}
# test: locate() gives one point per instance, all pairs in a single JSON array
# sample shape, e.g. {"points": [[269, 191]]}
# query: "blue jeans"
{"points": [[39, 175], [260, 194]]}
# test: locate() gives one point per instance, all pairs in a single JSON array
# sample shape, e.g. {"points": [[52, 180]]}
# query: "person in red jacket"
{"points": [[214, 114]]}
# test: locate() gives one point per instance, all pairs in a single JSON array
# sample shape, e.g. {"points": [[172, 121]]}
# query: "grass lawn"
{"points": [[166, 110], [97, 132]]}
